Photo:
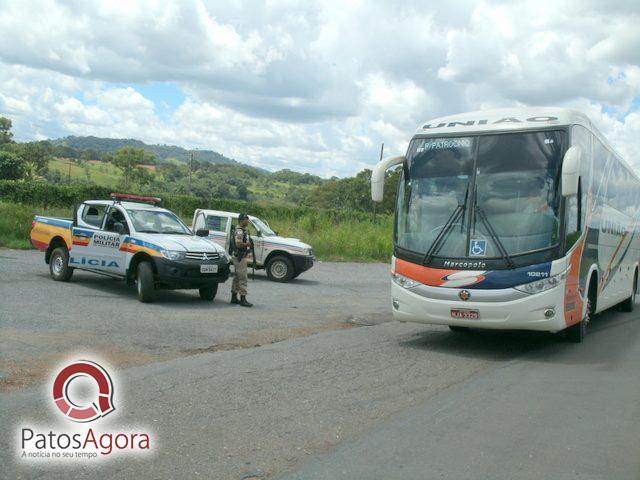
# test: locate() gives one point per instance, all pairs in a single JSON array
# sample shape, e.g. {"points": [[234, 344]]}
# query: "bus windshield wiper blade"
{"points": [[494, 236], [439, 240]]}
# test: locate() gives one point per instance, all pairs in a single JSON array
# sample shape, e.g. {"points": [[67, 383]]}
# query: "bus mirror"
{"points": [[378, 174], [571, 171]]}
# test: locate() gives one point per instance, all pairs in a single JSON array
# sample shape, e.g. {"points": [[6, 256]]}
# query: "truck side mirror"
{"points": [[378, 174], [571, 171], [118, 227], [202, 232]]}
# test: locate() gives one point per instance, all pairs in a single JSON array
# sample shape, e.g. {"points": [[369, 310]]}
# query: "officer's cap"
{"points": [[243, 216]]}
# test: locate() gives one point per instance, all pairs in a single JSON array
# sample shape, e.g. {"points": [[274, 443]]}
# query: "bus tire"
{"points": [[577, 332], [458, 329], [280, 269], [209, 293], [144, 281], [628, 304], [59, 265]]}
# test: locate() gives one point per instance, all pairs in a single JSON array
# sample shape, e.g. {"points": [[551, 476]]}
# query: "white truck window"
{"points": [[93, 215], [217, 223]]}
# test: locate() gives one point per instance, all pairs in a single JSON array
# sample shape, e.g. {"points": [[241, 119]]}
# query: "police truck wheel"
{"points": [[209, 293], [144, 282], [59, 265], [280, 269], [627, 305]]}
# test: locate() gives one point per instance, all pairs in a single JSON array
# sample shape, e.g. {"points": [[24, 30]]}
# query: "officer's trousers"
{"points": [[241, 278]]}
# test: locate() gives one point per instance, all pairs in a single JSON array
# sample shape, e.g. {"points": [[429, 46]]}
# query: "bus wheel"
{"points": [[458, 329], [627, 305], [577, 332], [59, 265]]}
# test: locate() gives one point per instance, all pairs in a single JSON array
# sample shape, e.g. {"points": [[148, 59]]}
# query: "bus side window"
{"points": [[573, 220]]}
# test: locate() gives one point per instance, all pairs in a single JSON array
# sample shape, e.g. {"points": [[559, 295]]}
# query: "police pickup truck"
{"points": [[131, 238], [282, 258]]}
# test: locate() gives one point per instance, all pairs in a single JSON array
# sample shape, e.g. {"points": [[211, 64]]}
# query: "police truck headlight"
{"points": [[172, 254], [542, 285], [403, 281]]}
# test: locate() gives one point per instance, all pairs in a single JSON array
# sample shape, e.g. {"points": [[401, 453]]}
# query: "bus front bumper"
{"points": [[497, 309]]}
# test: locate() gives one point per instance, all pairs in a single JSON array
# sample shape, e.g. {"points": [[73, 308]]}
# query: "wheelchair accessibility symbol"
{"points": [[477, 248]]}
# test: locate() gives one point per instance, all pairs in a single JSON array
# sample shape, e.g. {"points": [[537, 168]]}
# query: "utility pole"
{"points": [[190, 167], [374, 203]]}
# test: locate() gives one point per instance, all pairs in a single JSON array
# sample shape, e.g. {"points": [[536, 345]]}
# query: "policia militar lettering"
{"points": [[239, 248]]}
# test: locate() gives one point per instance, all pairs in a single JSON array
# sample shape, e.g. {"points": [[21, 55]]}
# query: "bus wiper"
{"points": [[494, 236], [439, 240]]}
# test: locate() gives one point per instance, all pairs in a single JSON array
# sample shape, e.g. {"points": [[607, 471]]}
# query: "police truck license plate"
{"points": [[208, 268], [465, 313]]}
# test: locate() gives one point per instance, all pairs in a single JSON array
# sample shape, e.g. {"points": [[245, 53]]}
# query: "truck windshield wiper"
{"points": [[447, 227]]}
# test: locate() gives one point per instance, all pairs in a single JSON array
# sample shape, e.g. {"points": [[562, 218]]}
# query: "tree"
{"points": [[126, 159], [36, 156], [243, 192], [5, 127], [11, 166]]}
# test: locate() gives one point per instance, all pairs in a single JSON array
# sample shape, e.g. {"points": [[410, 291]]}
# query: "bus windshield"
{"points": [[487, 196]]}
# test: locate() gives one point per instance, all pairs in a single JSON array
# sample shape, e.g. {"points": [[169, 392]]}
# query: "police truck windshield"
{"points": [[488, 196], [157, 221]]}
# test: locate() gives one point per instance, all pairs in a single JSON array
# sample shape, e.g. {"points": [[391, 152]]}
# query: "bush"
{"points": [[11, 166], [334, 234]]}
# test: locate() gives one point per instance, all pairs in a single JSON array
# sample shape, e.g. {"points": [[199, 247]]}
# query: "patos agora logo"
{"points": [[77, 439], [83, 413]]}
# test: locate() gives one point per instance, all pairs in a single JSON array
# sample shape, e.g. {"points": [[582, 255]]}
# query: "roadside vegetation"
{"points": [[335, 216]]}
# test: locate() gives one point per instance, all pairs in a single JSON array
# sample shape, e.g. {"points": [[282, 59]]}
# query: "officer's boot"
{"points": [[244, 303], [234, 298]]}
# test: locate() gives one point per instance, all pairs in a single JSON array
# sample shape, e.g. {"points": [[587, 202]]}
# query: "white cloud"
{"points": [[314, 86]]}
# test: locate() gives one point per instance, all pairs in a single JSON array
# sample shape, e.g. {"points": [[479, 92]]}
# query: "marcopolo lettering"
{"points": [[93, 262], [471, 123], [456, 264]]}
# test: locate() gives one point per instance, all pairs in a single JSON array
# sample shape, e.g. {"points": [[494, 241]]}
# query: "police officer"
{"points": [[242, 248]]}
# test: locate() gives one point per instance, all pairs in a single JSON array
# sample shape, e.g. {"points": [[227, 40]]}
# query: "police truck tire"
{"points": [[144, 282], [209, 293], [59, 265], [280, 269]]}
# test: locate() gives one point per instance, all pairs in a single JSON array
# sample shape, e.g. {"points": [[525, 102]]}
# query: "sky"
{"points": [[311, 86]]}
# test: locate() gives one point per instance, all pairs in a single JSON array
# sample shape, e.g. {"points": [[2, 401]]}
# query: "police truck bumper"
{"points": [[495, 308], [302, 263], [185, 274]]}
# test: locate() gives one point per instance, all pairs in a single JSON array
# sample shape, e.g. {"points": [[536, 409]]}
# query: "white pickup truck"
{"points": [[138, 242], [282, 258]]}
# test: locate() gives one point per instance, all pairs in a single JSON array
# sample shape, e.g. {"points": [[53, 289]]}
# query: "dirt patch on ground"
{"points": [[23, 372], [268, 336]]}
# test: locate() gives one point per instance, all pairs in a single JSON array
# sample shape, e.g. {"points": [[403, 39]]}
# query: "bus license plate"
{"points": [[465, 313], [208, 268]]}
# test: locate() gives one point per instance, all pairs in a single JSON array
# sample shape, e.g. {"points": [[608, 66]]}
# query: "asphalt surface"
{"points": [[317, 382]]}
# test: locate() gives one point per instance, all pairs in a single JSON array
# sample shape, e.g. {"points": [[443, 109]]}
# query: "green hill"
{"points": [[161, 152]]}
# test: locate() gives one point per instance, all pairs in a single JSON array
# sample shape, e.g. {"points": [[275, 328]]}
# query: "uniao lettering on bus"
{"points": [[93, 262], [471, 123]]}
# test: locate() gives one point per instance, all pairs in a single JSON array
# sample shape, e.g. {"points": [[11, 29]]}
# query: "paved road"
{"points": [[327, 399]]}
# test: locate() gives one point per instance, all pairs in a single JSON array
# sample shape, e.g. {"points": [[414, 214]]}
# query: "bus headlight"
{"points": [[542, 285], [403, 281]]}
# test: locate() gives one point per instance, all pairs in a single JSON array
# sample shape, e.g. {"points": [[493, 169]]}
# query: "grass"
{"points": [[15, 222], [363, 240], [101, 173]]}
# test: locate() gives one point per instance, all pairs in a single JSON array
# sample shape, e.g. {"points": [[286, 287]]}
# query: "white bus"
{"points": [[512, 219]]}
